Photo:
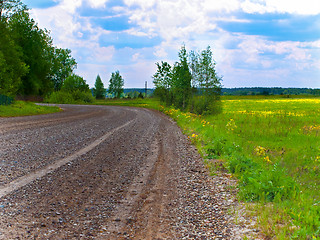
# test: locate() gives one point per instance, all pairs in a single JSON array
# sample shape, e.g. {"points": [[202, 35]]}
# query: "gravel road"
{"points": [[103, 172]]}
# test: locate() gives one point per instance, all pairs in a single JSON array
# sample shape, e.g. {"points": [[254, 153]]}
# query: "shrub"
{"points": [[64, 97], [204, 106]]}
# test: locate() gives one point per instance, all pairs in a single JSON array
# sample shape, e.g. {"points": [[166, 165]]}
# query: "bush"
{"points": [[64, 97], [204, 105]]}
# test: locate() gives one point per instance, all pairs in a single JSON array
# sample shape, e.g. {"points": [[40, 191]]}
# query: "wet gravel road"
{"points": [[103, 172]]}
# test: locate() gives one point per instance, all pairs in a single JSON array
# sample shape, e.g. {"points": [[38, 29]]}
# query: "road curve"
{"points": [[105, 172]]}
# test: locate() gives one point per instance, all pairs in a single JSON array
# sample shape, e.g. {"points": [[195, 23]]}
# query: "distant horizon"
{"points": [[254, 43], [233, 88]]}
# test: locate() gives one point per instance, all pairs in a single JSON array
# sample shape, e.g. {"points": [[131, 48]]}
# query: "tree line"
{"points": [[191, 83], [30, 65], [29, 62]]}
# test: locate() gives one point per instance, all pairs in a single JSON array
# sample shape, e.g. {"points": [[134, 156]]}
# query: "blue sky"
{"points": [[263, 43]]}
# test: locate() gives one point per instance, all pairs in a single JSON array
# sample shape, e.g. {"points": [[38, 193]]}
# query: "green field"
{"points": [[21, 108], [271, 145]]}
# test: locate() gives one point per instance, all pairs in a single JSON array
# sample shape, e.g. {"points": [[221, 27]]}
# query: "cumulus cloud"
{"points": [[282, 6], [157, 28], [98, 3]]}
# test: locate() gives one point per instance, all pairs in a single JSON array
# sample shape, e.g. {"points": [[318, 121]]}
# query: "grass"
{"points": [[137, 102], [21, 108], [272, 146]]}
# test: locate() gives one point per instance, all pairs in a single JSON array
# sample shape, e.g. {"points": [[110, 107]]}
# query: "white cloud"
{"points": [[135, 57], [248, 60], [60, 21], [142, 3], [103, 54], [220, 5], [98, 3], [160, 52], [307, 7], [70, 5], [171, 20]]}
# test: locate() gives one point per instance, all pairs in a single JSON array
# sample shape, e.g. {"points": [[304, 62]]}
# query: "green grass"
{"points": [[20, 108], [272, 146], [137, 102]]}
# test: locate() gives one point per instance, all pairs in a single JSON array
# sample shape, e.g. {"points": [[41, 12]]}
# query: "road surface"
{"points": [[104, 172]]}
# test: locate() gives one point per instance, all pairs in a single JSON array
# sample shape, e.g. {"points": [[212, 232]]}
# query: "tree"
{"points": [[192, 85], [208, 79], [62, 66], [207, 82], [12, 68], [37, 53], [10, 7], [29, 63], [194, 68], [162, 80], [116, 84], [99, 91], [181, 80], [163, 77], [75, 83]]}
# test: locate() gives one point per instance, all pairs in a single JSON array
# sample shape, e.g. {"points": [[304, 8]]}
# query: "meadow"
{"points": [[271, 145]]}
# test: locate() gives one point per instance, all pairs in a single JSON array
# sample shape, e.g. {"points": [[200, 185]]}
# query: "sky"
{"points": [[255, 43]]}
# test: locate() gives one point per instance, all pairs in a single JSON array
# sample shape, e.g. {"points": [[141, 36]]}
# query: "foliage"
{"points": [[5, 100], [203, 106], [10, 7], [206, 82], [181, 81], [74, 90], [162, 80], [12, 68], [36, 46], [73, 83], [116, 84], [62, 67], [186, 81], [99, 91], [29, 63], [75, 97], [20, 108], [284, 92]]}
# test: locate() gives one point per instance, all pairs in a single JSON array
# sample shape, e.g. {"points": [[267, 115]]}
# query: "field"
{"points": [[272, 146]]}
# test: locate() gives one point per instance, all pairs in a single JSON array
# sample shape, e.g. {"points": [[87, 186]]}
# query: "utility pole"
{"points": [[146, 89]]}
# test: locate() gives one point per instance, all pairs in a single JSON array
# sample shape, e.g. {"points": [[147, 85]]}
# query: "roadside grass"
{"points": [[21, 108], [137, 102], [272, 146]]}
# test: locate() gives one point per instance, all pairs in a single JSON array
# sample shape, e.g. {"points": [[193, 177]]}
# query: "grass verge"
{"points": [[21, 108]]}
